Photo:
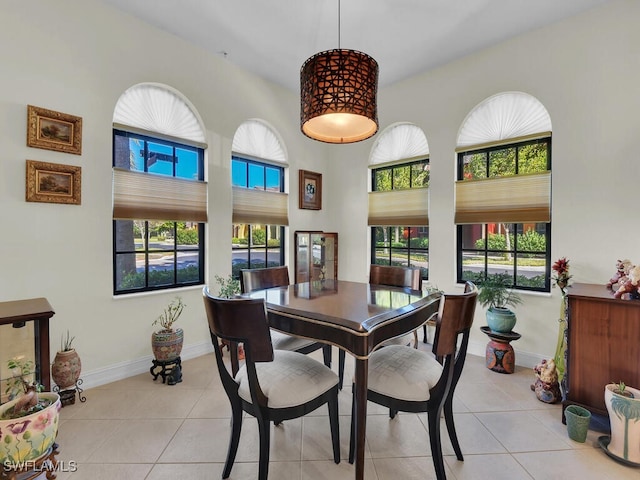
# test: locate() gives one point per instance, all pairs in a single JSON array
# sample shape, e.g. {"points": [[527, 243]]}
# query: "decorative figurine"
{"points": [[546, 386]]}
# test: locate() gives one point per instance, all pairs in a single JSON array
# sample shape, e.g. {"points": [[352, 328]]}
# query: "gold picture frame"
{"points": [[53, 183], [310, 190], [53, 130]]}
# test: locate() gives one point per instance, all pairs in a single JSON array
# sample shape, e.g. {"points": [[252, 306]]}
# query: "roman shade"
{"points": [[139, 195], [260, 206], [512, 199], [408, 207]]}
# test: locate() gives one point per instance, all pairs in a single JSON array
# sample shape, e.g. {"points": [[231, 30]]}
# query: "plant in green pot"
{"points": [[166, 343], [495, 293]]}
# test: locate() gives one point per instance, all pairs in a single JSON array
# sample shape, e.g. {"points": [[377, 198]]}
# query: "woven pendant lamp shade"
{"points": [[338, 90]]}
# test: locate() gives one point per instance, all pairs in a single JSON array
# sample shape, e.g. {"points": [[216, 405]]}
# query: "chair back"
{"points": [[455, 318], [262, 278], [242, 320], [408, 277]]}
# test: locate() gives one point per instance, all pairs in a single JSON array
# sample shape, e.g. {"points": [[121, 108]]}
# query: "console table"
{"points": [[39, 311], [603, 345]]}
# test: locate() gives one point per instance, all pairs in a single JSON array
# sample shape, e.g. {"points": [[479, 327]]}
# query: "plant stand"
{"points": [[34, 469], [500, 356], [165, 369], [68, 396]]}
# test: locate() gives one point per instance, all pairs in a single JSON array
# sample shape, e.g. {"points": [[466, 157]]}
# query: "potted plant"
{"points": [[166, 343], [495, 293], [623, 406], [28, 422], [228, 288], [66, 366]]}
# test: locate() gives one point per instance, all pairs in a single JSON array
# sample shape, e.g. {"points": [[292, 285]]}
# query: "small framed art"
{"points": [[53, 183], [310, 194], [53, 130]]}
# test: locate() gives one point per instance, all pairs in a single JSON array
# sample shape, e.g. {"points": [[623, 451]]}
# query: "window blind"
{"points": [[513, 199], [146, 196], [260, 206], [408, 207]]}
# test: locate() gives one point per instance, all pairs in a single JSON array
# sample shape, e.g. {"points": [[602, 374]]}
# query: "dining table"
{"points": [[353, 316]]}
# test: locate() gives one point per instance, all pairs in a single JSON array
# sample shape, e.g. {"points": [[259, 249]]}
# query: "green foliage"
{"points": [[529, 241], [21, 371], [273, 242], [259, 236], [132, 281], [227, 287], [495, 291], [420, 242], [187, 236], [170, 314], [65, 343], [235, 241]]}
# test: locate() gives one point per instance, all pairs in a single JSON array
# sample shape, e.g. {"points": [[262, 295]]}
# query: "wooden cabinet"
{"points": [[603, 345], [316, 256]]}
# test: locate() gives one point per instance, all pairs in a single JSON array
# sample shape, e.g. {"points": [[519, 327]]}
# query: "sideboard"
{"points": [[603, 345]]}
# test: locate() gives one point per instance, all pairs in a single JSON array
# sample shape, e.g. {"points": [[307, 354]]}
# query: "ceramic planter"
{"points": [[28, 438], [501, 320], [66, 368], [624, 416], [167, 345]]}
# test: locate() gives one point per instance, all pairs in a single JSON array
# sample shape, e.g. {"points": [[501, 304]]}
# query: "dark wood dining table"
{"points": [[353, 316]]}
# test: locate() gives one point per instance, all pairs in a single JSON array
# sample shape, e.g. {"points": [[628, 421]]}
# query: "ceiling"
{"points": [[273, 38]]}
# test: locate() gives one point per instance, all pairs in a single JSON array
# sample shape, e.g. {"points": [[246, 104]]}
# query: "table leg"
{"points": [[361, 377]]}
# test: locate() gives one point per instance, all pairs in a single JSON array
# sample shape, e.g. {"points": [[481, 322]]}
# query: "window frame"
{"points": [[146, 250], [409, 229], [514, 227], [235, 269]]}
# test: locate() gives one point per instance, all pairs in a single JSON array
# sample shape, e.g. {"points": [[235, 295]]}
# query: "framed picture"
{"points": [[53, 183], [310, 195], [54, 130]]}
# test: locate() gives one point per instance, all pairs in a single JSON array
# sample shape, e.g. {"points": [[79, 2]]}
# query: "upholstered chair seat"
{"points": [[282, 341]]}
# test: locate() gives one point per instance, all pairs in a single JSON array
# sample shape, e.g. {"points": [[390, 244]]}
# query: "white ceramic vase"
{"points": [[624, 416]]}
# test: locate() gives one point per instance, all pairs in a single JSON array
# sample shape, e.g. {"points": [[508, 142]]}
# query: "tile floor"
{"points": [[140, 429]]}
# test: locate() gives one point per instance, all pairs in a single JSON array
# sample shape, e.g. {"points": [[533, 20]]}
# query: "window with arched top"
{"points": [[260, 203], [399, 198], [503, 192], [159, 192]]}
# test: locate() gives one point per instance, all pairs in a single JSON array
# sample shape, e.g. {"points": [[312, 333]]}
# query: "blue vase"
{"points": [[501, 320]]}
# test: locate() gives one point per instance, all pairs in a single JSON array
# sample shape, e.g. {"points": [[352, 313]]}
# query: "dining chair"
{"points": [[411, 380], [272, 385], [263, 278], [397, 276]]}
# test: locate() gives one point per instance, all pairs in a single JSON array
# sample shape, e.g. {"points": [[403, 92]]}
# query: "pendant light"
{"points": [[338, 90]]}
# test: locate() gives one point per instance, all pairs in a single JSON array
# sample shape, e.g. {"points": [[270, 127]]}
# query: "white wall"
{"points": [[78, 57]]}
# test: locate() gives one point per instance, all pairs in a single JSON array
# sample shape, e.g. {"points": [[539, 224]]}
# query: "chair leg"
{"points": [[335, 426], [392, 413], [341, 359], [436, 446], [352, 434], [234, 440], [424, 337], [264, 430], [451, 427], [326, 355]]}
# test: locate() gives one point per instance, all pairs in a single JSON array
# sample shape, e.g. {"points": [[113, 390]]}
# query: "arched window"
{"points": [[503, 192], [260, 204], [398, 201], [159, 192]]}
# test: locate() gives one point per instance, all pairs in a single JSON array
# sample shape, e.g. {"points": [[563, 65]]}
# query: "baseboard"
{"points": [[122, 370]]}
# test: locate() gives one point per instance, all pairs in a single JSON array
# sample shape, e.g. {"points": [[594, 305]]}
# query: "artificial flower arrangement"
{"points": [[561, 276]]}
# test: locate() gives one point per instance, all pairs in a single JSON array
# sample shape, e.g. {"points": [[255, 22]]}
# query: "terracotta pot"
{"points": [[28, 438], [167, 346], [624, 416], [66, 368]]}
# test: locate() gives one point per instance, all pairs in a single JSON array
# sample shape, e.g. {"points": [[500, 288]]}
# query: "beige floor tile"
{"points": [[484, 467], [78, 439], [403, 436], [327, 470], [411, 468], [198, 440], [109, 471], [190, 471], [136, 441]]}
